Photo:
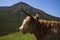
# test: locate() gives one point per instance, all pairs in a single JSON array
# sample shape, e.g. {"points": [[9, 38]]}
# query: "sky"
{"points": [[51, 7]]}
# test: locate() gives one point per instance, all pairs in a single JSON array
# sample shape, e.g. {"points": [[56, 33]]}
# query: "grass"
{"points": [[18, 36]]}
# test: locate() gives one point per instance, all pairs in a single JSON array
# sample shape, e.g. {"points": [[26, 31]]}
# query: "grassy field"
{"points": [[18, 36]]}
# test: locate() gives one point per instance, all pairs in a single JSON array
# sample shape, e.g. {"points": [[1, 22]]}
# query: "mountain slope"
{"points": [[12, 17], [42, 14]]}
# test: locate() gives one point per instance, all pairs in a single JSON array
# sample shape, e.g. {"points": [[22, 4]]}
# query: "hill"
{"points": [[11, 17]]}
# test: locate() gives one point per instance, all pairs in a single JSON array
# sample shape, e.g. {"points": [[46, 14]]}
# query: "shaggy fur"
{"points": [[43, 30]]}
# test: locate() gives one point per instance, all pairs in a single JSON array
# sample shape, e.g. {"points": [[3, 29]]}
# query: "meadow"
{"points": [[18, 36]]}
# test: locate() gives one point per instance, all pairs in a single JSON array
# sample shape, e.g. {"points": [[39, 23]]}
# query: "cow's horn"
{"points": [[25, 12]]}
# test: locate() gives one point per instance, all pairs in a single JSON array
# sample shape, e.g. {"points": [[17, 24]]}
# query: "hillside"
{"points": [[11, 17]]}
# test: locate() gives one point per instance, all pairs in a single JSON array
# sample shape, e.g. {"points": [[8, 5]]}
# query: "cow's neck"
{"points": [[36, 31], [38, 37]]}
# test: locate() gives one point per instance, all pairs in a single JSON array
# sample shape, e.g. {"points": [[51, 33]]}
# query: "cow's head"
{"points": [[28, 24]]}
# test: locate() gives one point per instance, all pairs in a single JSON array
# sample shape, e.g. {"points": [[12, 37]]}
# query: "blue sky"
{"points": [[51, 7]]}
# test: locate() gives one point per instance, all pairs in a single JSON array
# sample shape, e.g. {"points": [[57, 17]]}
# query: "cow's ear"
{"points": [[37, 17]]}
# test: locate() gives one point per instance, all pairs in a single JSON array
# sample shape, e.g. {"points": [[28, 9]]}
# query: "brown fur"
{"points": [[43, 30]]}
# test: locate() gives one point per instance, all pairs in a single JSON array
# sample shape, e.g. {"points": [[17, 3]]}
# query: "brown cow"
{"points": [[42, 29]]}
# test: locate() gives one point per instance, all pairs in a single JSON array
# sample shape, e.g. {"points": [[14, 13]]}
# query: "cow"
{"points": [[42, 29]]}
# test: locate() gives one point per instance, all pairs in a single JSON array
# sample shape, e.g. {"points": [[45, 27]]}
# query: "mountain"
{"points": [[11, 17]]}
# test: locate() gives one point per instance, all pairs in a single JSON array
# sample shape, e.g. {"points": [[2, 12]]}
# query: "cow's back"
{"points": [[52, 31]]}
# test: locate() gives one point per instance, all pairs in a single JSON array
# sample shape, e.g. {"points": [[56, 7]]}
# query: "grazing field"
{"points": [[18, 36]]}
